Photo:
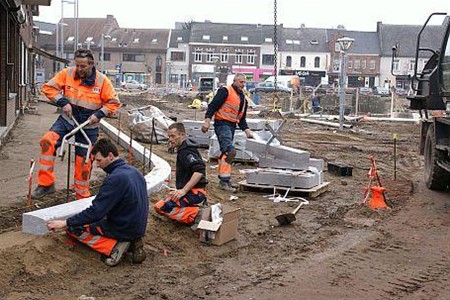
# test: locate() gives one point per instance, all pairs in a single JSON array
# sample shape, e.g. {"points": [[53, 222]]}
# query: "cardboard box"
{"points": [[219, 234]]}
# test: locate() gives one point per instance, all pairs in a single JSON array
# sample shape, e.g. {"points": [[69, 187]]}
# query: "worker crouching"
{"points": [[117, 219], [183, 204]]}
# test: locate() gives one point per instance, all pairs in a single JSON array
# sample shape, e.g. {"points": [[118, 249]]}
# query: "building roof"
{"points": [[303, 39], [134, 39], [178, 36], [405, 38], [225, 33], [366, 43], [46, 33]]}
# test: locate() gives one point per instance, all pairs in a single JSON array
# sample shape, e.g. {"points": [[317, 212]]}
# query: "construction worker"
{"points": [[83, 93], [229, 107], [117, 219], [183, 203]]}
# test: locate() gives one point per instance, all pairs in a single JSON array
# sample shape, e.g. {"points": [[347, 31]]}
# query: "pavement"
{"points": [[21, 145]]}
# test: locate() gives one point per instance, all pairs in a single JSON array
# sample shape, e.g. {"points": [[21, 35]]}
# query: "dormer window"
{"points": [[225, 38], [114, 39], [244, 38], [89, 39], [289, 42], [179, 39], [136, 40], [206, 37], [154, 41], [70, 39], [314, 42], [268, 40], [296, 42]]}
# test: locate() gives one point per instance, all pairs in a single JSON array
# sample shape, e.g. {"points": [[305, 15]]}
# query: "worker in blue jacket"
{"points": [[117, 219]]}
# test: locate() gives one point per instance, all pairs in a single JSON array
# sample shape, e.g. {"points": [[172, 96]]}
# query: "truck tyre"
{"points": [[436, 178]]}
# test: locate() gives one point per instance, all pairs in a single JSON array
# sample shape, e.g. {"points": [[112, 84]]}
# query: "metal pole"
{"points": [[341, 93], [392, 102], [75, 10], [102, 54], [357, 102], [62, 28], [57, 45]]}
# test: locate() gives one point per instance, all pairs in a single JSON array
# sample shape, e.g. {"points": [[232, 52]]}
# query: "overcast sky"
{"points": [[353, 14]]}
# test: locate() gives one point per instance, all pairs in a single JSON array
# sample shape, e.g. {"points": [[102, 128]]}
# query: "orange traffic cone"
{"points": [[377, 200]]}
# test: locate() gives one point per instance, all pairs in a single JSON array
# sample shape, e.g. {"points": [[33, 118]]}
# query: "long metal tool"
{"points": [[79, 127]]}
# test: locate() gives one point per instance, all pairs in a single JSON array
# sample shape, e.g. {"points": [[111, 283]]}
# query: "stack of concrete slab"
{"points": [[194, 132], [240, 142], [304, 179], [258, 126], [283, 166]]}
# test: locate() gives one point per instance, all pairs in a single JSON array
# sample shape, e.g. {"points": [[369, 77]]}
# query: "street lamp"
{"points": [[345, 43], [102, 55], [168, 71], [63, 24]]}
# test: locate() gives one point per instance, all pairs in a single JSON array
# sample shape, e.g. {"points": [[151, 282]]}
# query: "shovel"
{"points": [[286, 219]]}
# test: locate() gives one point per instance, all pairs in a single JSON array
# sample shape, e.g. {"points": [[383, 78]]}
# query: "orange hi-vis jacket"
{"points": [[229, 111], [98, 98]]}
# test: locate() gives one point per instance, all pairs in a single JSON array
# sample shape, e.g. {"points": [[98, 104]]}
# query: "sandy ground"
{"points": [[337, 248]]}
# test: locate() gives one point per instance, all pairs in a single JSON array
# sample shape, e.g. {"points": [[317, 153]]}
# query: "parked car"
{"points": [[401, 92], [365, 91], [267, 87], [134, 85], [381, 91]]}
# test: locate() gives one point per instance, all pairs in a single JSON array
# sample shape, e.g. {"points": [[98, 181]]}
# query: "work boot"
{"points": [[226, 186], [230, 156], [137, 252], [197, 219], [117, 254], [40, 191]]}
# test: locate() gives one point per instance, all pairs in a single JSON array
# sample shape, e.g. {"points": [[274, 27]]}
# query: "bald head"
{"points": [[239, 81]]}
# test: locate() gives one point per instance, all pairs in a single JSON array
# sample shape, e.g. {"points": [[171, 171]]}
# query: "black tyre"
{"points": [[436, 178]]}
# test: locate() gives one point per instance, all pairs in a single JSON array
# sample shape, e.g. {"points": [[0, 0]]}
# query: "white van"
{"points": [[282, 80]]}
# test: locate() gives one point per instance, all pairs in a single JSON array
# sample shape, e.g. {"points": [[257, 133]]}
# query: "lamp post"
{"points": [[63, 24], [168, 71], [75, 43], [102, 54], [345, 43]]}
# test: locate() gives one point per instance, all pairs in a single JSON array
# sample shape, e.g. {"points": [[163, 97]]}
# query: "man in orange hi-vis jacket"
{"points": [[83, 93], [229, 107]]}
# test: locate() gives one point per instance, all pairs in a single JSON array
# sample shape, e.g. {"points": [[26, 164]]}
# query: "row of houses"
{"points": [[180, 56]]}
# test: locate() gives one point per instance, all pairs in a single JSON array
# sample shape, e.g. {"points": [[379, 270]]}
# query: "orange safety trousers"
{"points": [[224, 168], [46, 175], [182, 210], [98, 243]]}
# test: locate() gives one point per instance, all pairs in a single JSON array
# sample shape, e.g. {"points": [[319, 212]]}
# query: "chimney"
{"points": [[110, 24]]}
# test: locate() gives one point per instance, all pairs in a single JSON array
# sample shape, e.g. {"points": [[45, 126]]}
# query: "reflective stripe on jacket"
{"points": [[99, 97], [229, 111]]}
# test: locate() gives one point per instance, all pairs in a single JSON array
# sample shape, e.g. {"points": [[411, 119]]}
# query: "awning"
{"points": [[50, 56]]}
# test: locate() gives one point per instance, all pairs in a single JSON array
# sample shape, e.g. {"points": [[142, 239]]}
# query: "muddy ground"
{"points": [[337, 248]]}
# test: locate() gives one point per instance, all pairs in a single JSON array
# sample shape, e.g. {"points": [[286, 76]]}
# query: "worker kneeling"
{"points": [[183, 204], [117, 219]]}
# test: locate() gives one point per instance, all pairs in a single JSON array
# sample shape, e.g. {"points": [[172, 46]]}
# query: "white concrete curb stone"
{"points": [[35, 222]]}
